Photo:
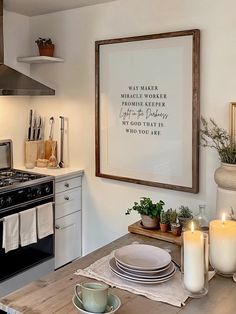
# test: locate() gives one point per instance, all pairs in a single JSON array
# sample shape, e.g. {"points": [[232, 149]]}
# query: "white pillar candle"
{"points": [[194, 268], [223, 245]]}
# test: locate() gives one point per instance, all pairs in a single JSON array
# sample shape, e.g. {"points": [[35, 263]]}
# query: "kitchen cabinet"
{"points": [[68, 217], [67, 239]]}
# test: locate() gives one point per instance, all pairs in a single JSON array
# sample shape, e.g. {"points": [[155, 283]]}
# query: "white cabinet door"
{"points": [[67, 239]]}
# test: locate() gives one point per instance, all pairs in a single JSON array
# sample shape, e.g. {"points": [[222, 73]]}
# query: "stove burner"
{"points": [[9, 177], [5, 182]]}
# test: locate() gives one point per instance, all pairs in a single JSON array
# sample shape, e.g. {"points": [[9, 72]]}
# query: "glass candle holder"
{"points": [[223, 246], [194, 263]]}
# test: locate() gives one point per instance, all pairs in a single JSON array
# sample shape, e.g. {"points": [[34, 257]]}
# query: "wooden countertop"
{"points": [[53, 293]]}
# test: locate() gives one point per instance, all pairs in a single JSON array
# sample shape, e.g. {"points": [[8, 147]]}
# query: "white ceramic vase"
{"points": [[225, 178]]}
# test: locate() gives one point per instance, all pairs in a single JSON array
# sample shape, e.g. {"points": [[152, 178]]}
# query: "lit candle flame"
{"points": [[223, 218], [192, 227]]}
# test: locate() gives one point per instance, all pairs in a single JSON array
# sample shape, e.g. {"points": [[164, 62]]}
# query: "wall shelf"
{"points": [[39, 59]]}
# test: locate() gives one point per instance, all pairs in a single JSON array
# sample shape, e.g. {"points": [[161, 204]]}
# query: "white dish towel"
{"points": [[45, 220], [10, 238], [28, 232]]}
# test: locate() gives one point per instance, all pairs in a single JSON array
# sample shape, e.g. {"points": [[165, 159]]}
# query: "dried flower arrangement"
{"points": [[215, 137]]}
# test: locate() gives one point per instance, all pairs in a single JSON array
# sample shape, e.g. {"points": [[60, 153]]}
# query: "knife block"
{"points": [[33, 151]]}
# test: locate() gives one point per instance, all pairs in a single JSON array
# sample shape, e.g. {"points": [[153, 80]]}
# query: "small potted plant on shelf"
{"points": [[164, 221], [174, 223], [184, 215], [149, 211], [46, 47]]}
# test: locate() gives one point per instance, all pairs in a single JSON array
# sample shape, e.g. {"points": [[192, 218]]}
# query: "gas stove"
{"points": [[18, 187], [13, 177]]}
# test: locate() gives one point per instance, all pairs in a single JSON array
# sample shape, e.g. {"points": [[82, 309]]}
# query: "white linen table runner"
{"points": [[171, 291]]}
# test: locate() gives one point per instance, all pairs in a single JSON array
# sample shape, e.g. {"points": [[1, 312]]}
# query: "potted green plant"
{"points": [[174, 223], [164, 221], [149, 211], [46, 47], [172, 215], [184, 215]]}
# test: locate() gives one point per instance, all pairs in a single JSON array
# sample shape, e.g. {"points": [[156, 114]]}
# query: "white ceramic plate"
{"points": [[142, 256], [142, 272], [113, 300], [131, 278], [167, 271]]}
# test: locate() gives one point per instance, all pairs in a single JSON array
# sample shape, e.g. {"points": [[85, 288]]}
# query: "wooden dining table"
{"points": [[53, 293]]}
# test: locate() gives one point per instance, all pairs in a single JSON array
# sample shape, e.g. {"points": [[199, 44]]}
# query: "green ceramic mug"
{"points": [[93, 296]]}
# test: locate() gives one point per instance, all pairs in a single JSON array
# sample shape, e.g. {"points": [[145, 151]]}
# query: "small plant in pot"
{"points": [[184, 216], [149, 211], [46, 47], [164, 221], [174, 224]]}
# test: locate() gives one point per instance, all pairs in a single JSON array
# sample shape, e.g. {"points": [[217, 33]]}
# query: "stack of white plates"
{"points": [[142, 263]]}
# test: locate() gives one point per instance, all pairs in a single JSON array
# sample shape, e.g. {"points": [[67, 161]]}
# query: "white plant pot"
{"points": [[225, 178]]}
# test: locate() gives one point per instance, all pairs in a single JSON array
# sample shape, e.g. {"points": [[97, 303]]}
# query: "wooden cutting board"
{"points": [[48, 148], [157, 234]]}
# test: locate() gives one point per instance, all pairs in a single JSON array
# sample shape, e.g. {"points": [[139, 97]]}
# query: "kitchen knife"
{"points": [[30, 124], [34, 127], [39, 125]]}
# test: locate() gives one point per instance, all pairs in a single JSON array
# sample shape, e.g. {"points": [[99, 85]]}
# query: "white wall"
{"points": [[74, 32], [14, 110]]}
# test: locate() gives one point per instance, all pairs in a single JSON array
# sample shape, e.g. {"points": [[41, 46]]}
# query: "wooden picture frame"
{"points": [[147, 91], [232, 121]]}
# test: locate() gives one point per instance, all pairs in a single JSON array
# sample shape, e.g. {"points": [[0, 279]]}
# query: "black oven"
{"points": [[21, 190], [17, 200]]}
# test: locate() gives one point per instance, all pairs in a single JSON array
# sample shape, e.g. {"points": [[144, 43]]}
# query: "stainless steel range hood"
{"points": [[13, 82]]}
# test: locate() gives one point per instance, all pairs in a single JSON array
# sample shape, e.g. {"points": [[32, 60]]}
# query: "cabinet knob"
{"points": [[57, 227], [67, 185], [66, 198]]}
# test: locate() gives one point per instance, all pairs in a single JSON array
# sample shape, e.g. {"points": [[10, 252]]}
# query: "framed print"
{"points": [[147, 109]]}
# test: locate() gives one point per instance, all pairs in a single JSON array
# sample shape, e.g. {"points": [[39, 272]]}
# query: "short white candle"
{"points": [[194, 260], [223, 245]]}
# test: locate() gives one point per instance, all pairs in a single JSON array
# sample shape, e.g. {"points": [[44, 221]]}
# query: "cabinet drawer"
{"points": [[67, 239], [67, 202], [65, 185]]}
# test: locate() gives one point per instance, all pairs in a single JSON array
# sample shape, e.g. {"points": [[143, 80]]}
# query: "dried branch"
{"points": [[215, 137]]}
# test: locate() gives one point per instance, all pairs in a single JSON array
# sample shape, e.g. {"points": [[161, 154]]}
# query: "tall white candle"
{"points": [[194, 270], [223, 245]]}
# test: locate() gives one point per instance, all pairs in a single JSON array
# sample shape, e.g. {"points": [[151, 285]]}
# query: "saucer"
{"points": [[113, 300]]}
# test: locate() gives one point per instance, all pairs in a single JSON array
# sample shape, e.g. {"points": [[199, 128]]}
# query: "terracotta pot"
{"points": [[225, 176], [150, 223], [176, 230], [164, 227], [46, 50]]}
